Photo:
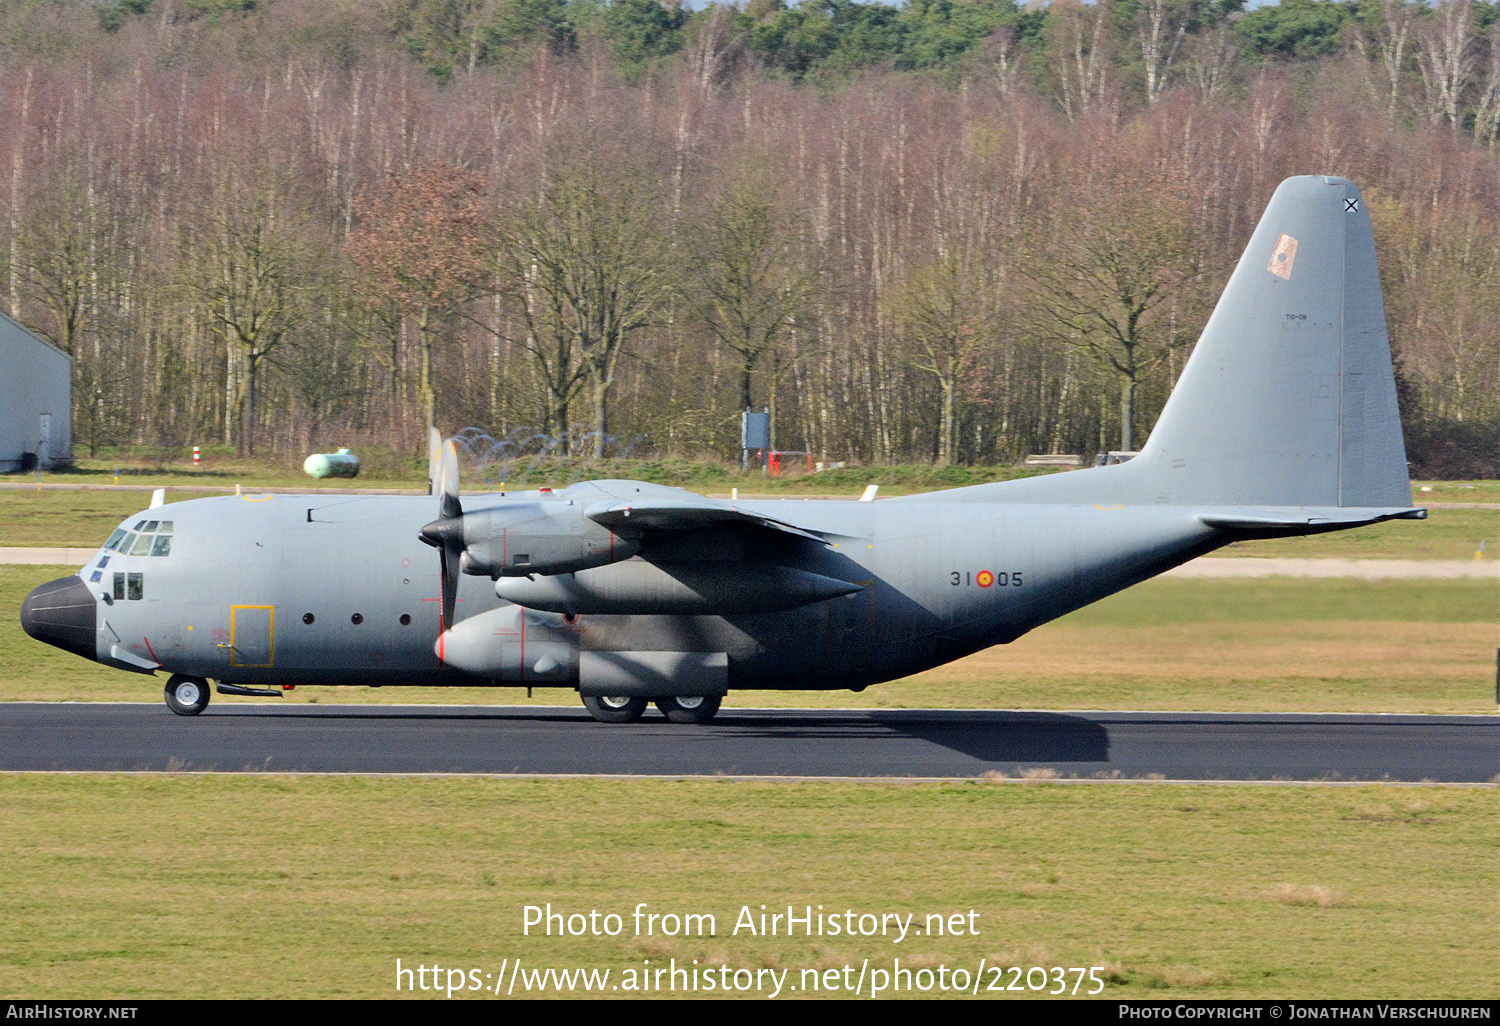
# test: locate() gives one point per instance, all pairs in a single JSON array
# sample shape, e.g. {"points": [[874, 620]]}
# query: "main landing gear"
{"points": [[187, 696], [628, 708]]}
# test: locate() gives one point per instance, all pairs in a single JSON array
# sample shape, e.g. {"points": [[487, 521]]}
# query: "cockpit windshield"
{"points": [[148, 538]]}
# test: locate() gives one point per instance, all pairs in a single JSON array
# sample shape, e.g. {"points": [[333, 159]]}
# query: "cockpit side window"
{"points": [[114, 539], [142, 545], [162, 546]]}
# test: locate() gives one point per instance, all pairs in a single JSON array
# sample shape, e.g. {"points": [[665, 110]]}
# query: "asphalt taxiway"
{"points": [[752, 742]]}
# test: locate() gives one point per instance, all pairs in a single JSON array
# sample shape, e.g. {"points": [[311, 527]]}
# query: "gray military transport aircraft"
{"points": [[1283, 423]]}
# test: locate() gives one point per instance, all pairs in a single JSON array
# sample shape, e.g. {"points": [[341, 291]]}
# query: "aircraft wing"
{"points": [[659, 513]]}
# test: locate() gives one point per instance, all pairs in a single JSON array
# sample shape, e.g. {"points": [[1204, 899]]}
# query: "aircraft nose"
{"points": [[62, 613]]}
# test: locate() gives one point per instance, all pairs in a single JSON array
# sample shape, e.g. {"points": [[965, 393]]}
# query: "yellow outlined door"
{"points": [[252, 636]]}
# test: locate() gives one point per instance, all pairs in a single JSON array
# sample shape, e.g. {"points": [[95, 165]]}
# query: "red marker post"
{"points": [[197, 457]]}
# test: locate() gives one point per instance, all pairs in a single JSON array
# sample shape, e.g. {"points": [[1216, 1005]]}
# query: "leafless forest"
{"points": [[297, 223]]}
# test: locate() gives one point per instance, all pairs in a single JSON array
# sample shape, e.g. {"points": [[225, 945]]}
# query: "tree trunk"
{"points": [[1127, 414], [601, 411], [429, 393], [746, 369], [945, 441], [247, 406]]}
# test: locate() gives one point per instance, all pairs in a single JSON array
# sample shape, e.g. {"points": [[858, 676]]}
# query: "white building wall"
{"points": [[35, 381]]}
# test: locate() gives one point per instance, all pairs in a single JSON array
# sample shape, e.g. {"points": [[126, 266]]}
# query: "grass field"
{"points": [[381, 470], [66, 517], [1291, 644], [192, 886]]}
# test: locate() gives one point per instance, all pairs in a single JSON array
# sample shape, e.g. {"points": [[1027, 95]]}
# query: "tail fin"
{"points": [[1289, 398]]}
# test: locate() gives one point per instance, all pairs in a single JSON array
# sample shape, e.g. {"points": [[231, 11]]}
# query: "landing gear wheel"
{"points": [[689, 710], [187, 696], [614, 708]]}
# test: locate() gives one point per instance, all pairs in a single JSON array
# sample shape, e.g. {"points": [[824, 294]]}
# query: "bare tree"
{"points": [[594, 246], [1391, 33], [1487, 109], [1105, 277], [941, 310], [1160, 26], [254, 280], [750, 284], [424, 242], [1445, 58], [1080, 44]]}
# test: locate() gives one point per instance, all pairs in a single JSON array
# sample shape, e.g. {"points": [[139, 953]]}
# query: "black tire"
{"points": [[690, 710], [615, 709], [187, 696]]}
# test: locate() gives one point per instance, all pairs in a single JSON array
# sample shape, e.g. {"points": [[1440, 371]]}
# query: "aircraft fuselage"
{"points": [[318, 589]]}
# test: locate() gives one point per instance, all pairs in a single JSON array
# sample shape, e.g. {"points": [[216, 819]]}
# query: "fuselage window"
{"points": [[95, 576], [136, 588], [119, 586], [162, 546]]}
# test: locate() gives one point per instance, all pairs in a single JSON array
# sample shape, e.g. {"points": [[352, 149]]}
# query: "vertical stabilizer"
{"points": [[1289, 398]]}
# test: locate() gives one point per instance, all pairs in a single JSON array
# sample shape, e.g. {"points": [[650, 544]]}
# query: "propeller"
{"points": [[446, 533], [434, 458]]}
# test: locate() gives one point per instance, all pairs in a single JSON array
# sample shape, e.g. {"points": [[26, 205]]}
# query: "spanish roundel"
{"points": [[984, 579]]}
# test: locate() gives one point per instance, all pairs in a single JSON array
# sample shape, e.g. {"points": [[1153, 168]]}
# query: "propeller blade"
{"points": [[446, 533], [434, 456], [449, 505], [453, 551]]}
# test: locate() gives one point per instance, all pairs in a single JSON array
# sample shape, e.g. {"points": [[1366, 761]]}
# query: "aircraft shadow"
{"points": [[999, 737], [990, 737]]}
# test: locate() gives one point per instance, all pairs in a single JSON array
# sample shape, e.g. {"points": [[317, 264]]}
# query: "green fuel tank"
{"points": [[332, 464]]}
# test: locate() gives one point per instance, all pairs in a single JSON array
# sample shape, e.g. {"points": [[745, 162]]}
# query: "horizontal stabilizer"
{"points": [[1303, 518]]}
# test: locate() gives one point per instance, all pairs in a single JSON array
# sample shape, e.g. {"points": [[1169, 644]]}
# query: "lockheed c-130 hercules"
{"points": [[1283, 422]]}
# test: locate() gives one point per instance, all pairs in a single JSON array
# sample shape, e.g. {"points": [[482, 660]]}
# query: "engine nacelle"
{"points": [[512, 644], [547, 537]]}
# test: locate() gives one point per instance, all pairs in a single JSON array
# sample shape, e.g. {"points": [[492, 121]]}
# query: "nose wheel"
{"points": [[187, 696]]}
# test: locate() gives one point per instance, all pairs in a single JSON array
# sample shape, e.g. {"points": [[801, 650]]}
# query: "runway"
{"points": [[750, 742]]}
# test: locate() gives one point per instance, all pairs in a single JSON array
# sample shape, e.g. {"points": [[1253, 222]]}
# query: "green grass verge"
{"points": [[59, 517], [381, 470], [1289, 644], [297, 887]]}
